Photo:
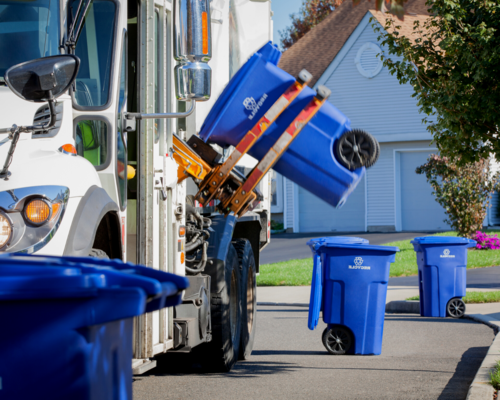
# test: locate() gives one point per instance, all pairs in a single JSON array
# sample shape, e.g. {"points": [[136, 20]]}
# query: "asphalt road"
{"points": [[422, 358], [291, 246], [477, 278]]}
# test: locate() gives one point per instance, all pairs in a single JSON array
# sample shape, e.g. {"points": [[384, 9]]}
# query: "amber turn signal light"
{"points": [[55, 210], [68, 149], [37, 211]]}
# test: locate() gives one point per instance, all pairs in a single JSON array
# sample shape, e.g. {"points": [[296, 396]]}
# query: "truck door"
{"points": [[154, 200], [99, 97]]}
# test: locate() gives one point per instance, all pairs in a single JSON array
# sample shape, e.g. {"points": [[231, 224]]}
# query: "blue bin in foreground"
{"points": [[442, 273], [350, 284], [68, 324]]}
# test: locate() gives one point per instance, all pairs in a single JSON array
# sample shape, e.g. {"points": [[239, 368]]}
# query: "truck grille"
{"points": [[42, 116]]}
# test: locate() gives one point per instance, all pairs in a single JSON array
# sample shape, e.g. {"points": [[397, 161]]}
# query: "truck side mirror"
{"points": [[43, 79], [193, 49]]}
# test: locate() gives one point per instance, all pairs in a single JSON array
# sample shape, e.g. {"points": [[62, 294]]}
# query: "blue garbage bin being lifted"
{"points": [[67, 324], [350, 284], [310, 160], [442, 274]]}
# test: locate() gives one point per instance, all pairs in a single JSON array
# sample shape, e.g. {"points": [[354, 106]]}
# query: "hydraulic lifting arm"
{"points": [[221, 182]]}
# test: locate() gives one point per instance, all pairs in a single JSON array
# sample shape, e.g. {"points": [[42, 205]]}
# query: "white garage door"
{"points": [[419, 209], [317, 216]]}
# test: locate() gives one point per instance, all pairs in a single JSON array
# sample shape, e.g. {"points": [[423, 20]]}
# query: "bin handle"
{"points": [[316, 292]]}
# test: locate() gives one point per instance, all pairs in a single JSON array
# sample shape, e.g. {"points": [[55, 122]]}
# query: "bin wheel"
{"points": [[456, 308], [248, 296], [356, 149], [337, 340]]}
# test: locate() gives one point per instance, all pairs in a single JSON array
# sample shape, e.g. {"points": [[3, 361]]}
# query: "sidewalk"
{"points": [[300, 295]]}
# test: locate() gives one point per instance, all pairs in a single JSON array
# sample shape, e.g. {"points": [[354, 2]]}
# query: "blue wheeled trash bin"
{"points": [[442, 274], [351, 287], [327, 158], [68, 325], [315, 302]]}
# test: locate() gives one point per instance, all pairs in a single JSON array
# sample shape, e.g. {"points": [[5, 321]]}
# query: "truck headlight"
{"points": [[5, 230]]}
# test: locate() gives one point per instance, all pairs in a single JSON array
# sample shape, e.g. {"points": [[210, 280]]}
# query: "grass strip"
{"points": [[474, 297], [495, 377], [299, 272]]}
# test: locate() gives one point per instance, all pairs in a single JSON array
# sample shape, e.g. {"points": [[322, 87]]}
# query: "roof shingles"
{"points": [[316, 50]]}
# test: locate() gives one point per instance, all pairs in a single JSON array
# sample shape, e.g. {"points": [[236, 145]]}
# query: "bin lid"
{"points": [[317, 243], [444, 240], [44, 277], [391, 249]]}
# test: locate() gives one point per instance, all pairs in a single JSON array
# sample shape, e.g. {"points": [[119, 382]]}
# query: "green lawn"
{"points": [[298, 272], [475, 297]]}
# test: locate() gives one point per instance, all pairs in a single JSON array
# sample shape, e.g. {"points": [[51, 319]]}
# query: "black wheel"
{"points": [[221, 353], [356, 149], [248, 296], [337, 340], [455, 308], [98, 253], [377, 153]]}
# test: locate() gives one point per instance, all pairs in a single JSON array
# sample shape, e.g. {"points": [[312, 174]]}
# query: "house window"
{"points": [[276, 192], [367, 62]]}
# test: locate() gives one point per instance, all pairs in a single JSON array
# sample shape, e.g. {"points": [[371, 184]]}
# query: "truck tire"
{"points": [[221, 353], [98, 253], [248, 296]]}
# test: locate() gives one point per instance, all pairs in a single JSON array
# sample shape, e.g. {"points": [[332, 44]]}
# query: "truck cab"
{"points": [[101, 183]]}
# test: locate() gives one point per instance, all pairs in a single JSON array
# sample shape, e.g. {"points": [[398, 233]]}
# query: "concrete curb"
{"points": [[480, 388], [284, 304], [403, 307], [397, 307]]}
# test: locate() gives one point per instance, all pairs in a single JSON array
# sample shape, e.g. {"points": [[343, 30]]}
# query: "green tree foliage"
{"points": [[312, 12], [452, 61], [463, 190]]}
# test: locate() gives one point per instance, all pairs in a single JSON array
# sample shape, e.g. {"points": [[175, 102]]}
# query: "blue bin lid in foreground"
{"points": [[444, 240], [45, 277]]}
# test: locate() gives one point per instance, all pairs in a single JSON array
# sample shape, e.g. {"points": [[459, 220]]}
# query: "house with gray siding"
{"points": [[341, 53]]}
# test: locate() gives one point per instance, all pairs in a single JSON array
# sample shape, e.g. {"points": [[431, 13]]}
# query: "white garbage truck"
{"points": [[100, 102]]}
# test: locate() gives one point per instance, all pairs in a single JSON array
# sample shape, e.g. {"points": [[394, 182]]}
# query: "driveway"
{"points": [[422, 358], [291, 246]]}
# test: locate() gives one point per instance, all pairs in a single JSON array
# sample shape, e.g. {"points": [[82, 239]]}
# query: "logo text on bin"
{"points": [[254, 106], [358, 264], [446, 254]]}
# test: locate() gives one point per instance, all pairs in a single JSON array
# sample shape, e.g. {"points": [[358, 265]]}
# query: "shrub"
{"points": [[276, 226], [463, 191], [485, 241]]}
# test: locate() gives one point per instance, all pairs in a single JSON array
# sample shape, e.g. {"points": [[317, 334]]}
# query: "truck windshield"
{"points": [[29, 29]]}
